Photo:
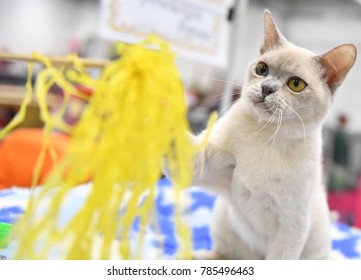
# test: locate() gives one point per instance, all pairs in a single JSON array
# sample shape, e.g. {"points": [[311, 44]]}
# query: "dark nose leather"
{"points": [[267, 90]]}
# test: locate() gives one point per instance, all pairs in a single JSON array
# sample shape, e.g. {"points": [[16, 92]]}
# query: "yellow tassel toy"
{"points": [[135, 118]]}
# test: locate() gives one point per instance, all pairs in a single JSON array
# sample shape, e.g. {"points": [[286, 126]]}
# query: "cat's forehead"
{"points": [[291, 59]]}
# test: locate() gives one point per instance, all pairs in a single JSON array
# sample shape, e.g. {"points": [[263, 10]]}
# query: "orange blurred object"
{"points": [[19, 154]]}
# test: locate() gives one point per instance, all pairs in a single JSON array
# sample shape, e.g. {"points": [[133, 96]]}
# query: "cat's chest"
{"points": [[271, 166], [254, 205], [267, 158]]}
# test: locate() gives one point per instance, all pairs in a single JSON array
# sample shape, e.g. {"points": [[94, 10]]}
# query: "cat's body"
{"points": [[263, 157], [270, 196]]}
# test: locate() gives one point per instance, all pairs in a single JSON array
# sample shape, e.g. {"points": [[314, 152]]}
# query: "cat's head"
{"points": [[293, 82]]}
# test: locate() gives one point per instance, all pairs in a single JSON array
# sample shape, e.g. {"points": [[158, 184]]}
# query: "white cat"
{"points": [[263, 158]]}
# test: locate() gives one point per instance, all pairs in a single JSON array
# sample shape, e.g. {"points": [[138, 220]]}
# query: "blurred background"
{"points": [[59, 27]]}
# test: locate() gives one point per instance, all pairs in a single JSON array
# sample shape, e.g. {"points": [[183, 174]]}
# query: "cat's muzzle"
{"points": [[269, 87]]}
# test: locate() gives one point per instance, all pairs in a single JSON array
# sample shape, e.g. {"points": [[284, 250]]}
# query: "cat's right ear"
{"points": [[272, 36], [337, 63]]}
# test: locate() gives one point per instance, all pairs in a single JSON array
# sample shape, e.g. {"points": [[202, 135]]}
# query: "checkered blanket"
{"points": [[163, 242]]}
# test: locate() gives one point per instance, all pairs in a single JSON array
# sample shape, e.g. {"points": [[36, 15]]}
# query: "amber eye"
{"points": [[262, 69], [296, 84]]}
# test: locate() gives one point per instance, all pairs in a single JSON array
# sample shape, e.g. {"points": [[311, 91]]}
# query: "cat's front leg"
{"points": [[211, 162], [290, 238], [212, 165]]}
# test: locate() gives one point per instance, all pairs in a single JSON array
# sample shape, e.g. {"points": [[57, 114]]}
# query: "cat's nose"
{"points": [[267, 89]]}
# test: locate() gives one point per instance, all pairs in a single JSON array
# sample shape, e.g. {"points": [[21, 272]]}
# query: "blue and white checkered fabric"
{"points": [[162, 242]]}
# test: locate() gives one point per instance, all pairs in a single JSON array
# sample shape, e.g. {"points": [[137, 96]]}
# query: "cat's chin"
{"points": [[261, 105], [262, 110]]}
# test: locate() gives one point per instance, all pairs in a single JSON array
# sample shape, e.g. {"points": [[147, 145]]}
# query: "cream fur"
{"points": [[263, 161]]}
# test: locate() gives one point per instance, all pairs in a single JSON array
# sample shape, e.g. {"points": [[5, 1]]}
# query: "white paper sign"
{"points": [[197, 29]]}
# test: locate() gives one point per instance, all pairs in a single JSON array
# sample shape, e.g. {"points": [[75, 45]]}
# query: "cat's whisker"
{"points": [[279, 124], [268, 122], [214, 79], [302, 123], [266, 125], [224, 110], [221, 96]]}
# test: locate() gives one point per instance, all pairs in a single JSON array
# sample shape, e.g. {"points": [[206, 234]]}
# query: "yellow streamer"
{"points": [[20, 116], [135, 118]]}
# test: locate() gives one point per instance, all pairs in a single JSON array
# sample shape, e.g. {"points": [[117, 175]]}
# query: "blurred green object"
{"points": [[4, 232]]}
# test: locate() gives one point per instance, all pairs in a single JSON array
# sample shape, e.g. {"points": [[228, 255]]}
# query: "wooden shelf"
{"points": [[13, 95]]}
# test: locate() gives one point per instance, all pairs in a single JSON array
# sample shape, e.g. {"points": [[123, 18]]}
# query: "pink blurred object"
{"points": [[348, 205]]}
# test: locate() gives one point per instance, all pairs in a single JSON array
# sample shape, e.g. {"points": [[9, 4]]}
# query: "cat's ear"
{"points": [[272, 36], [336, 63]]}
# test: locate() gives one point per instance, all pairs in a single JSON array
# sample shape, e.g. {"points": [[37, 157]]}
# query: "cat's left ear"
{"points": [[272, 36], [337, 63]]}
